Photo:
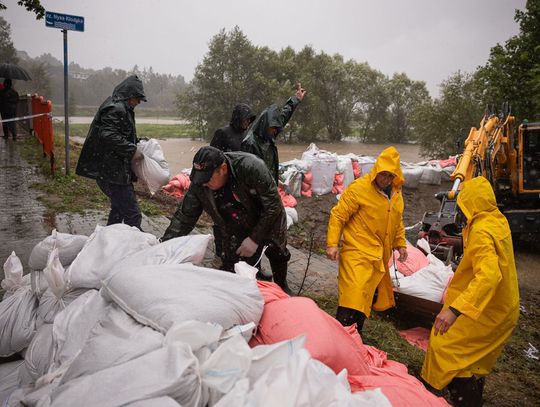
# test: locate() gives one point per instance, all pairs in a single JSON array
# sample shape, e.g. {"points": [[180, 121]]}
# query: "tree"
{"points": [[8, 53], [30, 5], [443, 123], [405, 95], [512, 72]]}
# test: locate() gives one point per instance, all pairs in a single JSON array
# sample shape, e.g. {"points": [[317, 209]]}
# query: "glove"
{"points": [[247, 248]]}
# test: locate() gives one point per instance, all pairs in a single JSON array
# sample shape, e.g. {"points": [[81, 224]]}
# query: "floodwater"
{"points": [[179, 152]]}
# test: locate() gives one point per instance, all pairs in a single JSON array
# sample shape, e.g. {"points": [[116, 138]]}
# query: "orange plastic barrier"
{"points": [[43, 128]]}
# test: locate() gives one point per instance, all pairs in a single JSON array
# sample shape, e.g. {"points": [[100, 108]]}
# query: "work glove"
{"points": [[247, 248]]}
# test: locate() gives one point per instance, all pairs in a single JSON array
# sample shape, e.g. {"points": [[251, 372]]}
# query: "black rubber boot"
{"points": [[279, 272], [466, 391], [348, 316]]}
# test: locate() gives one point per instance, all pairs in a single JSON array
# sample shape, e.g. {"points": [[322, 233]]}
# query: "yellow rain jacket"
{"points": [[484, 289], [372, 226]]}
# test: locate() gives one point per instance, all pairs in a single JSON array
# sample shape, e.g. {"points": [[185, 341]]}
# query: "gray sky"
{"points": [[427, 39]]}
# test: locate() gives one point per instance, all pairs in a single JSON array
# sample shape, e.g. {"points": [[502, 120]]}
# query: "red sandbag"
{"points": [[271, 291], [288, 200], [326, 340], [418, 337], [416, 260], [357, 170]]}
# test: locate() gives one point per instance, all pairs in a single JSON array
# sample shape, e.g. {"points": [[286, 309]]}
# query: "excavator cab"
{"points": [[529, 158]]}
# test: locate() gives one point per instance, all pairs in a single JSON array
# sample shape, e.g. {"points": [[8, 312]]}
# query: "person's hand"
{"points": [[137, 156], [300, 92], [247, 248], [443, 322], [402, 254], [332, 252]]}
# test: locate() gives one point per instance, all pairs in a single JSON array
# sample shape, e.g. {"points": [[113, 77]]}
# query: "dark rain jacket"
{"points": [[112, 138], [256, 142], [252, 187], [8, 102], [229, 138]]}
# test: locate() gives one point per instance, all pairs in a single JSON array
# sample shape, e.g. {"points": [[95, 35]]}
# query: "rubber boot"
{"points": [[466, 391], [348, 316], [279, 272]]}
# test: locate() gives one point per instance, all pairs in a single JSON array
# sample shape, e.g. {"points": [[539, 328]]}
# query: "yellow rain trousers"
{"points": [[484, 289], [372, 226]]}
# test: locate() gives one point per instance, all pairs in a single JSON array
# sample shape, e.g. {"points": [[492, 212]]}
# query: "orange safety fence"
{"points": [[42, 125]]}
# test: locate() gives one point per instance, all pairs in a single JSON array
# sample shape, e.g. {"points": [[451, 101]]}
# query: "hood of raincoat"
{"points": [[389, 161], [270, 117], [476, 197], [240, 112], [132, 86]]}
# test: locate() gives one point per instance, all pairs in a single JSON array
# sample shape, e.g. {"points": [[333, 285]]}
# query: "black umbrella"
{"points": [[12, 71]]}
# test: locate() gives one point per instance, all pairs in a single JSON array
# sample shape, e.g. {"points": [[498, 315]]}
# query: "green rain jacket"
{"points": [[253, 187], [112, 138], [256, 142]]}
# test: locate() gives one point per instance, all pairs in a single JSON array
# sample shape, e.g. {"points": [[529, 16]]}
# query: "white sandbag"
{"points": [[427, 283], [72, 326], [13, 273], [292, 213], [38, 281], [50, 305], [431, 174], [412, 175], [104, 248], [323, 169], [366, 163], [171, 371], [17, 321], [290, 221], [185, 249], [300, 165], [9, 379], [345, 167], [302, 381], [68, 247], [292, 179], [160, 296], [228, 364], [154, 402], [115, 339], [39, 355], [153, 169]]}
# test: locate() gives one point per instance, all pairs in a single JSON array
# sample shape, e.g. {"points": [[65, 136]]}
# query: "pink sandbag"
{"points": [[447, 163], [270, 291], [307, 194], [338, 179], [416, 260], [326, 340], [401, 389], [418, 337], [308, 178], [288, 200], [357, 170]]}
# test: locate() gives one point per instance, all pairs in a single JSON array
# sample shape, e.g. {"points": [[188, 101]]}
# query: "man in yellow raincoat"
{"points": [[369, 215], [482, 304]]}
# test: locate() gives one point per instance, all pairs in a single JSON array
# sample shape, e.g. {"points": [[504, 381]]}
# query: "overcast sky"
{"points": [[427, 39]]}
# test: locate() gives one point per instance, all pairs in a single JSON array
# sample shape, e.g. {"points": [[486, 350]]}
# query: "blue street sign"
{"points": [[64, 21]]}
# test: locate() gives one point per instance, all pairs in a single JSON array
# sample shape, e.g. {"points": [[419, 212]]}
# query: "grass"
{"points": [[158, 131]]}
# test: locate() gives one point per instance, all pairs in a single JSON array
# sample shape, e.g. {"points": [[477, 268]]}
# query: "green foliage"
{"points": [[344, 97], [7, 50], [443, 123], [512, 72], [30, 5]]}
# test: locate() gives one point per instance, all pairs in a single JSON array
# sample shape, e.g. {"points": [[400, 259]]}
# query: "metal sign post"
{"points": [[65, 22]]}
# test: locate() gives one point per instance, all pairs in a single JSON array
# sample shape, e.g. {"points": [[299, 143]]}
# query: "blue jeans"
{"points": [[124, 206]]}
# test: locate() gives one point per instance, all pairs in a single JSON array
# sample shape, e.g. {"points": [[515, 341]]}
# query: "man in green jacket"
{"points": [[109, 149], [261, 136], [238, 192]]}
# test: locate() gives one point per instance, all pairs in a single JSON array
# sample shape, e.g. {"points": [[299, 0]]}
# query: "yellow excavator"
{"points": [[510, 159]]}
